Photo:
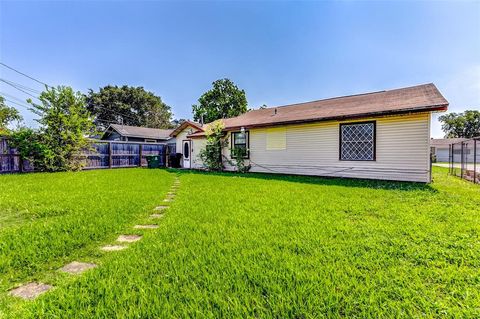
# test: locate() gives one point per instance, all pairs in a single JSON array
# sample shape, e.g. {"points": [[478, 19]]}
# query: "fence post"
{"points": [[474, 161], [140, 151], [450, 159], [461, 161], [109, 154], [20, 163]]}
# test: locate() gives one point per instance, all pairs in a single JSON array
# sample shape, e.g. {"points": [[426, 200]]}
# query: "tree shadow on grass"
{"points": [[320, 180]]}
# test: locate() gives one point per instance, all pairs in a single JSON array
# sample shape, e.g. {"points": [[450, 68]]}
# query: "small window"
{"points": [[240, 142], [186, 150], [150, 141], [357, 141]]}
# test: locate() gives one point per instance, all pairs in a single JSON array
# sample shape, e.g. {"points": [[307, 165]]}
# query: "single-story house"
{"points": [[440, 148], [379, 135], [118, 132]]}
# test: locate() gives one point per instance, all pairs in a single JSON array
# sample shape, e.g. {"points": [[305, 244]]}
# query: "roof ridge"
{"points": [[143, 127]]}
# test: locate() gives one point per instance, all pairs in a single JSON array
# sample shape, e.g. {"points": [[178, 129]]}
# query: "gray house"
{"points": [[117, 132], [440, 148]]}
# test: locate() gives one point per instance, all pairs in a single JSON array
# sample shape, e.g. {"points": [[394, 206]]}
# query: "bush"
{"points": [[238, 155], [30, 146], [211, 154]]}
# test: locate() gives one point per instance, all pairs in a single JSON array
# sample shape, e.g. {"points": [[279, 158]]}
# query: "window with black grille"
{"points": [[357, 141]]}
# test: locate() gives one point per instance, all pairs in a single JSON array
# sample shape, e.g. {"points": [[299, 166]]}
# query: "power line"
{"points": [[19, 104], [22, 86], [28, 76], [16, 87], [13, 97]]}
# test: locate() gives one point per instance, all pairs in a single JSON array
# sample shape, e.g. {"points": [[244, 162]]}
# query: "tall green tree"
{"points": [[128, 105], [7, 116], [65, 124], [224, 100], [466, 124]]}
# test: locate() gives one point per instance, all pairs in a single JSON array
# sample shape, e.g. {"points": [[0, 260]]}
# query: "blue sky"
{"points": [[279, 52]]}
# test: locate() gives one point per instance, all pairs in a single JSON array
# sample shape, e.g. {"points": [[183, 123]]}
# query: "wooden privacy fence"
{"points": [[10, 160], [102, 154], [113, 154]]}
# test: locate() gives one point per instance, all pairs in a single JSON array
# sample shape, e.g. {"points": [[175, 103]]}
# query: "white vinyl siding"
{"points": [[402, 150], [197, 145], [276, 138]]}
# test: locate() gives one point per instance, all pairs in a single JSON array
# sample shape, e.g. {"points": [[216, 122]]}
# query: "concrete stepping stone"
{"points": [[156, 216], [128, 238], [76, 267], [113, 248], [145, 226], [30, 291], [168, 199]]}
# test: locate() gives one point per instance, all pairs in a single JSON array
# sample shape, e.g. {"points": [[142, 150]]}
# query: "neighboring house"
{"points": [[117, 132], [440, 148], [378, 135]]}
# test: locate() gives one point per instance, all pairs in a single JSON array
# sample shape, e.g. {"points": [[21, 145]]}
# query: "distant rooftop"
{"points": [[141, 132], [445, 141]]}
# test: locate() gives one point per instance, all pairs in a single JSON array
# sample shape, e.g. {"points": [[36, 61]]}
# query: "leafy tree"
{"points": [[29, 144], [7, 115], [466, 124], [128, 105], [224, 100], [64, 126], [211, 154], [178, 122]]}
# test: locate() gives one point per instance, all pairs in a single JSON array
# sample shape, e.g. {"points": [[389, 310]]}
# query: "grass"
{"points": [[252, 246], [47, 220]]}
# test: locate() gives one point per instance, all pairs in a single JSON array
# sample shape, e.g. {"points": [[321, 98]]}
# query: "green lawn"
{"points": [[253, 246]]}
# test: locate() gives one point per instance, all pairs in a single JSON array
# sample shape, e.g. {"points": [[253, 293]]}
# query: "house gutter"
{"points": [[440, 107]]}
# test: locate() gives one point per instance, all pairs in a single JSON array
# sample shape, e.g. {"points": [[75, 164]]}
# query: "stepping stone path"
{"points": [[161, 207], [128, 238], [113, 248], [145, 226], [30, 291], [76, 267], [156, 216]]}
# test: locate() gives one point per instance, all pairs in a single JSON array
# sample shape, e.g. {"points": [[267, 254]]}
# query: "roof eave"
{"points": [[440, 107], [182, 126]]}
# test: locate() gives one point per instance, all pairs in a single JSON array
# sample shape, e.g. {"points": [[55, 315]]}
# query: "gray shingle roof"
{"points": [[445, 141], [142, 132]]}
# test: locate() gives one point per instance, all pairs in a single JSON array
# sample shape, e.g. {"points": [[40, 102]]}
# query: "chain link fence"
{"points": [[464, 159]]}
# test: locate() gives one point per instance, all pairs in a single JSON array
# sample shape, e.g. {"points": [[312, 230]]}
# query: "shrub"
{"points": [[211, 154], [238, 155]]}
